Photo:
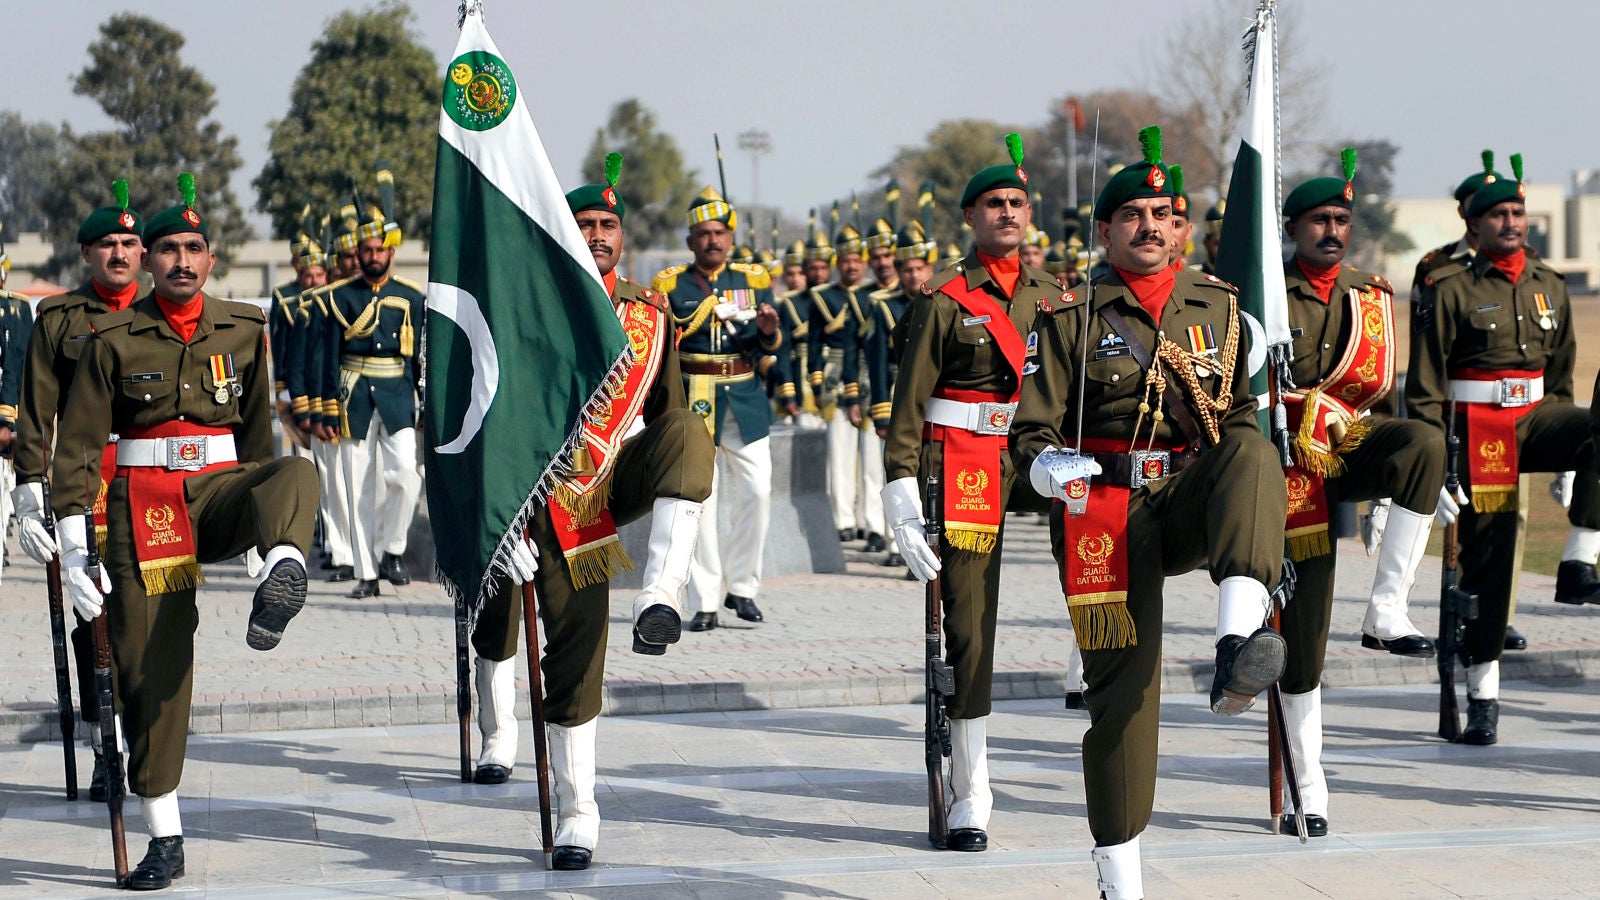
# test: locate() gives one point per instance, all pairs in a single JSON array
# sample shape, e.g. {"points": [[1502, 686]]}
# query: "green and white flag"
{"points": [[521, 341], [1250, 253]]}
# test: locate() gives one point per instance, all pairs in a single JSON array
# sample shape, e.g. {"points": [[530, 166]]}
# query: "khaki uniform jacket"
{"points": [[136, 372], [60, 335], [1321, 331]]}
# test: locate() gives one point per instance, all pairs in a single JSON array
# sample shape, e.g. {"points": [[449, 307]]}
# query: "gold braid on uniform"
{"points": [[1183, 363], [1315, 461], [692, 322]]}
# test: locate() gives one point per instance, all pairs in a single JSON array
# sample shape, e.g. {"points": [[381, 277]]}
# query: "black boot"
{"points": [[1245, 668], [744, 606], [1515, 640], [491, 774], [97, 781], [343, 573], [703, 621], [570, 859], [894, 560], [1483, 722], [1414, 645], [658, 626], [968, 840], [162, 863], [394, 569], [876, 543], [1576, 583], [846, 535], [363, 590], [1316, 826], [279, 598]]}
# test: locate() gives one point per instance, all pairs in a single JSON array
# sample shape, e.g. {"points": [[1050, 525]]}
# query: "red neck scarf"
{"points": [[610, 278], [116, 298], [1511, 264], [1152, 291], [183, 317], [1321, 279], [1004, 270]]}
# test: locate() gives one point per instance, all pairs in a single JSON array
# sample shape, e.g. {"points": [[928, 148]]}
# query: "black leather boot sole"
{"points": [[278, 599]]}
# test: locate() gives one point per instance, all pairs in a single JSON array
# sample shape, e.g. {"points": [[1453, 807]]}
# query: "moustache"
{"points": [[174, 274], [1149, 237], [1510, 232], [599, 245], [1330, 243]]}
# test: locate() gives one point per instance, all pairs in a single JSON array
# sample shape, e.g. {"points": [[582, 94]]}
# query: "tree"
{"points": [[954, 150], [370, 91], [1121, 114], [28, 152], [161, 111], [1375, 234], [654, 182]]}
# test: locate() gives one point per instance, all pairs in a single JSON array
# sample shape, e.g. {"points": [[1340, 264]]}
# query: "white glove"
{"points": [[28, 501], [903, 507], [88, 598], [523, 562], [1373, 524], [1561, 489], [1054, 469], [1450, 507]]}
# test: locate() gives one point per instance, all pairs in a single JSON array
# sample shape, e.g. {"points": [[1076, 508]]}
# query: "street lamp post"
{"points": [[756, 143]]}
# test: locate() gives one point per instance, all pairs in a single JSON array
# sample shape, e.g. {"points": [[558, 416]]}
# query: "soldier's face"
{"points": [[1502, 229], [1182, 230], [794, 277], [311, 277], [999, 220], [1211, 240], [913, 274], [851, 268], [348, 264], [710, 243], [1321, 236], [114, 259], [817, 272], [1031, 255], [1139, 234], [375, 257], [882, 260], [602, 231], [180, 265]]}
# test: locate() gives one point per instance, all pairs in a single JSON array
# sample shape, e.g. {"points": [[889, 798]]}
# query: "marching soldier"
{"points": [[1182, 228], [834, 363], [368, 347], [1349, 446], [662, 470], [729, 339], [815, 261], [961, 368], [1213, 236], [16, 322], [1035, 247], [183, 379], [109, 242], [1174, 472], [794, 269], [1493, 337]]}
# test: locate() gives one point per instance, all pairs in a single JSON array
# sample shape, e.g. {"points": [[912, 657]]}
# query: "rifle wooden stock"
{"points": [[939, 682], [58, 649], [110, 749], [1456, 607], [541, 748], [464, 688], [1274, 748]]}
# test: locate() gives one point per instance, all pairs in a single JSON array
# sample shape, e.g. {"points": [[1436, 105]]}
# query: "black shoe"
{"points": [[1515, 640], [363, 590], [343, 573], [394, 569], [744, 606], [97, 781], [894, 560], [162, 863], [1245, 668], [1483, 722], [658, 626], [846, 535], [1414, 645], [703, 621], [968, 840], [1576, 583], [1316, 826], [491, 774], [861, 534], [1075, 700], [876, 543], [279, 598], [327, 564], [570, 859]]}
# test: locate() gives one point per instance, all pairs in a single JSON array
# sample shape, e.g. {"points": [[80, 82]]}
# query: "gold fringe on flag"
{"points": [[1102, 626]]}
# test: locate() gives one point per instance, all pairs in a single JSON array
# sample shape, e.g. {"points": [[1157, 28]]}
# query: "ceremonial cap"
{"points": [[913, 244], [819, 248], [796, 254], [179, 219], [1324, 191], [600, 196], [881, 234], [1214, 216], [768, 261], [349, 223], [1470, 184], [709, 206], [308, 251], [1036, 237], [1147, 178], [998, 176], [1501, 190], [742, 254], [379, 220], [114, 219], [848, 242]]}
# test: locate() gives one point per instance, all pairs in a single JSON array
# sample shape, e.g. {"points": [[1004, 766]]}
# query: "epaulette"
{"points": [[758, 276], [942, 277], [421, 289], [107, 321], [247, 311], [1207, 279], [1540, 264], [1380, 282], [1066, 300], [61, 301], [666, 280], [1450, 270], [1428, 257], [639, 293]]}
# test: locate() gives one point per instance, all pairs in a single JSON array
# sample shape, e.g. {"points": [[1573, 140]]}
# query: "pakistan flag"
{"points": [[521, 339]]}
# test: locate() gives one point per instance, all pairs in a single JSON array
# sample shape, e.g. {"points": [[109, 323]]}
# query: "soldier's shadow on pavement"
{"points": [[25, 872], [320, 760]]}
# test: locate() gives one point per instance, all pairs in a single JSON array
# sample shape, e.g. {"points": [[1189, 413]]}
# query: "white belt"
{"points": [[188, 453], [1505, 392], [979, 418]]}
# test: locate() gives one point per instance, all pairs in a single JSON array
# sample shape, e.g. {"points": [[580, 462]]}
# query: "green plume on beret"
{"points": [[1150, 143], [186, 188], [1176, 173], [1014, 146], [1516, 166], [120, 189], [1347, 158], [1488, 161], [613, 168]]}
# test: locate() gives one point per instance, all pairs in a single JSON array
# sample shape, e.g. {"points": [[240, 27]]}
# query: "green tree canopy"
{"points": [[28, 151], [370, 91], [654, 182], [1373, 215], [161, 111], [953, 152]]}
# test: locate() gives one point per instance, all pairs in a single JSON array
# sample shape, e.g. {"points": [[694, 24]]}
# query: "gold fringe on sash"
{"points": [[1494, 498], [1320, 462], [598, 563], [1303, 543], [971, 540], [1102, 626], [169, 576], [585, 507]]}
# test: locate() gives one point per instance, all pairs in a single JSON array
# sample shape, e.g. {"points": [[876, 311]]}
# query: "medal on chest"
{"points": [[223, 376], [1547, 319]]}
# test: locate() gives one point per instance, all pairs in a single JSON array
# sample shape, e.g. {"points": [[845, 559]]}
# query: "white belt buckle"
{"points": [[186, 454], [995, 418], [1515, 392], [1148, 466]]}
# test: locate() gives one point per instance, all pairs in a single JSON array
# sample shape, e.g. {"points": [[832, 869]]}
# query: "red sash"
{"points": [[163, 535], [108, 467], [581, 513], [979, 304], [1491, 443], [1327, 419]]}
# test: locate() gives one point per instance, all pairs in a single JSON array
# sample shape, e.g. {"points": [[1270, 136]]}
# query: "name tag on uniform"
{"points": [[975, 320], [78, 337], [139, 377], [1296, 332], [1113, 352], [1487, 307]]}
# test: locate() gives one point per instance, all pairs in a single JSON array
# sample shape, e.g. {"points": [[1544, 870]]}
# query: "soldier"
{"points": [[1213, 236], [834, 361], [183, 380], [794, 311], [1182, 228], [109, 242], [1034, 247], [794, 268], [16, 321], [1182, 476], [663, 470], [1493, 336], [729, 339], [368, 347], [1349, 446], [961, 367]]}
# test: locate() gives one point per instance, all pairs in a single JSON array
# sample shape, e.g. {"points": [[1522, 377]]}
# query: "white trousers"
{"points": [[381, 476], [8, 480], [844, 454], [871, 491], [743, 478], [335, 502]]}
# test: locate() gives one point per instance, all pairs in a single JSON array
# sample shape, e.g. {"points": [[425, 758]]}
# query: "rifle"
{"points": [[464, 687], [941, 679], [541, 749], [1280, 755], [1456, 606], [722, 177], [109, 749], [58, 647]]}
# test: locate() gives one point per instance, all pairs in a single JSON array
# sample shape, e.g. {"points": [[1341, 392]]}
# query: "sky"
{"points": [[840, 86]]}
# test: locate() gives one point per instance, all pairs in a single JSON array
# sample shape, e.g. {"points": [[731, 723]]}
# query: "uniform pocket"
{"points": [[1115, 386]]}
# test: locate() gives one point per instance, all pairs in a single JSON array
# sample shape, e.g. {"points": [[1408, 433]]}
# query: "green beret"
{"points": [[1180, 200], [118, 219], [1142, 179], [1471, 183], [179, 219], [1324, 191], [1501, 190], [601, 196], [998, 176]]}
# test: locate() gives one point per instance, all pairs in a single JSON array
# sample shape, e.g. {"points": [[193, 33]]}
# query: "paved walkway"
{"points": [[829, 641]]}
